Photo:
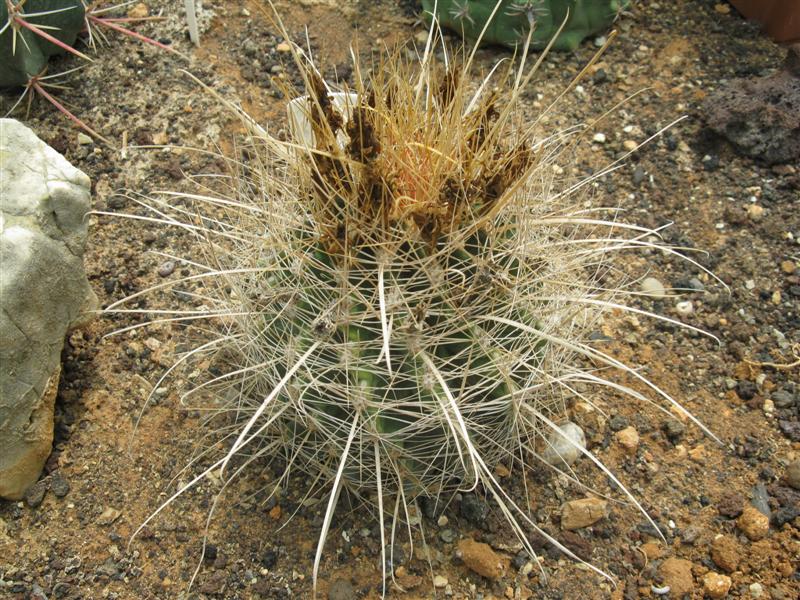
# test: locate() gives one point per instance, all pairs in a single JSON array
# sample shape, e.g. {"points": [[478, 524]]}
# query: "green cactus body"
{"points": [[513, 19], [448, 371], [23, 53], [402, 292]]}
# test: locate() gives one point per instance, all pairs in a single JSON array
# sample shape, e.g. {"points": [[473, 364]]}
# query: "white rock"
{"points": [[756, 590], [564, 447], [653, 287], [684, 308], [439, 581], [599, 138], [43, 293]]}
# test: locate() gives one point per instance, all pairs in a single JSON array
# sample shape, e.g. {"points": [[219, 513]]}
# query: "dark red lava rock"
{"points": [[761, 116]]}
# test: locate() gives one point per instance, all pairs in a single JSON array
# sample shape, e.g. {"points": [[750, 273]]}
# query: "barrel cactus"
{"points": [[403, 297], [33, 31], [511, 20]]}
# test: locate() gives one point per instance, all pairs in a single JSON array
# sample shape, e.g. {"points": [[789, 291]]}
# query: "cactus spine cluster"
{"points": [[24, 52], [510, 21]]}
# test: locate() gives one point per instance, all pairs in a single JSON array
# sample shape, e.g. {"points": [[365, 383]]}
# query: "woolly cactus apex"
{"points": [[513, 19], [402, 296], [32, 32]]}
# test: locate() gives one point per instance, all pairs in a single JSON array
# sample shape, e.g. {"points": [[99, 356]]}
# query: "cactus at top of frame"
{"points": [[26, 27], [513, 19]]}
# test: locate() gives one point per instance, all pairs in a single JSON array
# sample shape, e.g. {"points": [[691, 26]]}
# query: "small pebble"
{"points": [[630, 145], [618, 423], [564, 447], [474, 509], [283, 47], [753, 523], [653, 287], [674, 430], [746, 389], [628, 438], [660, 590], [443, 520], [109, 515], [166, 268], [760, 499], [139, 11], [696, 285], [783, 399], [577, 514], [600, 76], [34, 495], [725, 552], [599, 138], [788, 267], [755, 212], [439, 581], [59, 486], [684, 308], [481, 559], [84, 140], [341, 589], [756, 590], [792, 475], [638, 175], [716, 586], [447, 536]]}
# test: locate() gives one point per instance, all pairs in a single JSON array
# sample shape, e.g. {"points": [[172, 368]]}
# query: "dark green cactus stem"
{"points": [[24, 53], [401, 402], [513, 19]]}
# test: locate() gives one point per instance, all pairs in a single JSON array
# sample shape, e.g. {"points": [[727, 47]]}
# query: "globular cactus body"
{"points": [[402, 294], [513, 19], [416, 316], [24, 53]]}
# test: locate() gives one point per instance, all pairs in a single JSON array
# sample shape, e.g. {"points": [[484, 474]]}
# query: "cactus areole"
{"points": [[510, 21]]}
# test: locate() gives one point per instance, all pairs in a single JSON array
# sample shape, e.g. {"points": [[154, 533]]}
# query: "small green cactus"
{"points": [[26, 27], [513, 19]]}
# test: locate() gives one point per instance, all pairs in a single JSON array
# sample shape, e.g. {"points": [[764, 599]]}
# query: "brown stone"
{"points": [[23, 463], [730, 505], [677, 574], [725, 553], [139, 11], [753, 523], [716, 586], [576, 514], [628, 438], [652, 550], [481, 559], [698, 454]]}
